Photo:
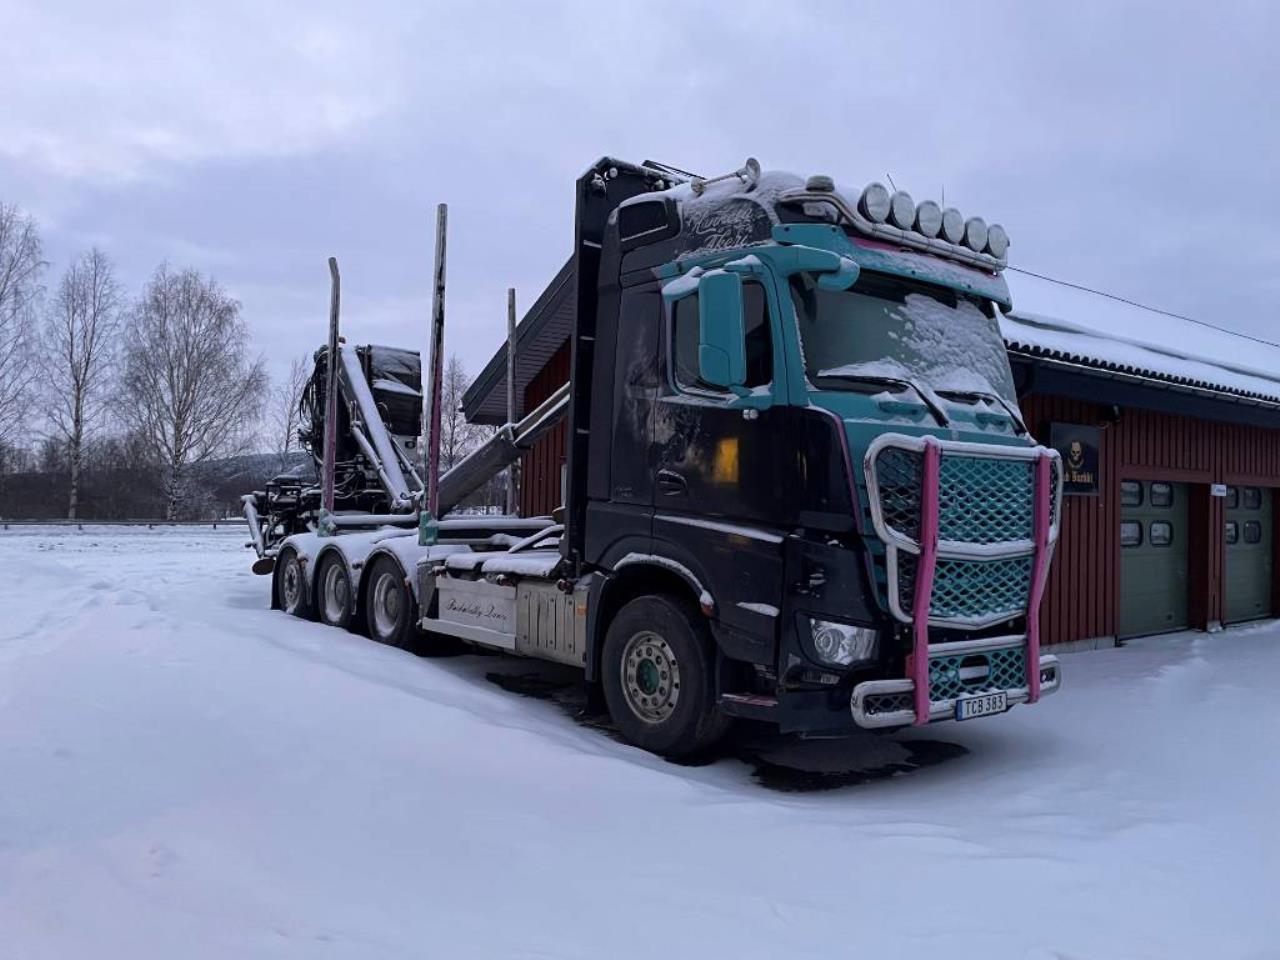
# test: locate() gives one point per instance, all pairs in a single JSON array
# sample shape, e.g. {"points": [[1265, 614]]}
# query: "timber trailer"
{"points": [[798, 486]]}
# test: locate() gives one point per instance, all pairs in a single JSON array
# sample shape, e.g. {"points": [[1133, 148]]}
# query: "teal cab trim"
{"points": [[880, 257], [839, 260]]}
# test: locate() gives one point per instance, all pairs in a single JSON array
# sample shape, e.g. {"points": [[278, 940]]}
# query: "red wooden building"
{"points": [[1171, 524]]}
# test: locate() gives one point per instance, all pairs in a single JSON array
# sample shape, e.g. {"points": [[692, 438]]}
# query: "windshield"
{"points": [[885, 329]]}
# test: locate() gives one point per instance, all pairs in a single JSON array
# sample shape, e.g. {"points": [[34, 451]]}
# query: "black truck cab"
{"points": [[741, 352]]}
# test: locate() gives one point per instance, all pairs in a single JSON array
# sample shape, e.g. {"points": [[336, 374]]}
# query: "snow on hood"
{"points": [[1136, 340]]}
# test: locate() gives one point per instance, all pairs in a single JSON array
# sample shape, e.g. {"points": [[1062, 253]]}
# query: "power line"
{"points": [[1143, 306]]}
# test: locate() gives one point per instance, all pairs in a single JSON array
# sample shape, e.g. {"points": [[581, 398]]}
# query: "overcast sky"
{"points": [[1133, 148]]}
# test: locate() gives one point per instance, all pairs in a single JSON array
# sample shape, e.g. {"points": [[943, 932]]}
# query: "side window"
{"points": [[1161, 495], [1130, 493], [684, 344], [1252, 531], [1130, 534], [1161, 533], [1233, 532], [759, 343], [1252, 497], [1233, 497]]}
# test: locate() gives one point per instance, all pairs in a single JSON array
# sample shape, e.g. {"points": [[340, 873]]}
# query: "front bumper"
{"points": [[876, 704]]}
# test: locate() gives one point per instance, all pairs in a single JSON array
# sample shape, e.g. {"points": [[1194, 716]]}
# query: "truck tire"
{"points": [[390, 611], [334, 592], [658, 674], [291, 585]]}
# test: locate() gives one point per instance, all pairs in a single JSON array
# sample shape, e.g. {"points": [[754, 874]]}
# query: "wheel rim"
{"points": [[337, 597], [386, 604], [291, 584], [650, 677]]}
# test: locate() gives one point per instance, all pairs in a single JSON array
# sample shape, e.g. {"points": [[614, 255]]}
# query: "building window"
{"points": [[1233, 497], [1252, 497], [1161, 495], [1161, 533], [1130, 493], [684, 341], [1130, 534], [1233, 532], [1252, 531]]}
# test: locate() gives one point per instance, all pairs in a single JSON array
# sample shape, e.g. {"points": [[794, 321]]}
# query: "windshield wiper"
{"points": [[1019, 427], [934, 407]]}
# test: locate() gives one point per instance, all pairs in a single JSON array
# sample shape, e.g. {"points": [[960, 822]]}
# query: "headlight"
{"points": [[952, 225], [874, 203], [929, 218], [902, 210], [842, 643], [997, 240], [975, 234]]}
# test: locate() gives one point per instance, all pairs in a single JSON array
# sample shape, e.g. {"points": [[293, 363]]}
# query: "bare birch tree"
{"points": [[284, 418], [81, 328], [457, 437], [20, 268], [189, 385]]}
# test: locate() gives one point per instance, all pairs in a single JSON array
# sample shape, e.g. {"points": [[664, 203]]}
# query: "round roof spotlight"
{"points": [[952, 225], [902, 210], [975, 234], [997, 241], [929, 218], [874, 203], [820, 183]]}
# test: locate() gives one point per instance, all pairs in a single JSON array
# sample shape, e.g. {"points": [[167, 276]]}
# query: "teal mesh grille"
{"points": [[898, 475], [888, 703], [956, 675], [980, 499], [970, 589], [985, 499]]}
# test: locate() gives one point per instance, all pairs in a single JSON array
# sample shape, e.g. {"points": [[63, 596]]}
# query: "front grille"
{"points": [[878, 703], [968, 589], [986, 502], [981, 500], [1001, 669], [986, 590], [898, 473]]}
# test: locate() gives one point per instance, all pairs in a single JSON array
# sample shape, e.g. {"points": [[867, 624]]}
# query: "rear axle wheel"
{"points": [[390, 611]]}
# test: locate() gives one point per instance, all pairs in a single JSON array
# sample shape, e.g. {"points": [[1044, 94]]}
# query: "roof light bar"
{"points": [[896, 218]]}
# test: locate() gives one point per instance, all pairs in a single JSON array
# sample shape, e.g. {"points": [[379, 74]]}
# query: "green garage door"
{"points": [[1153, 557], [1248, 536]]}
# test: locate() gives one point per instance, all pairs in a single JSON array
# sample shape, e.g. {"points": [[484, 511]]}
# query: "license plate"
{"points": [[983, 705]]}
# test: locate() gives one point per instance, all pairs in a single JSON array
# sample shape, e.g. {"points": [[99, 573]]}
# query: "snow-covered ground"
{"points": [[185, 774]]}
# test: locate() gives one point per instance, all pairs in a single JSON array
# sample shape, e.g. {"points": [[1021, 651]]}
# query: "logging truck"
{"points": [[798, 488]]}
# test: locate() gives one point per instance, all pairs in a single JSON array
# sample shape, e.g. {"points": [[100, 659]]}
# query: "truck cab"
{"points": [[794, 424]]}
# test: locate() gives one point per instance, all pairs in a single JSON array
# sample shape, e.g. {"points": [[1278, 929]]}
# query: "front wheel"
{"points": [[659, 678], [390, 611]]}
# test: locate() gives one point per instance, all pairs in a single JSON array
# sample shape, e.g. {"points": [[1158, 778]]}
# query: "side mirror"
{"points": [[842, 277], [722, 336]]}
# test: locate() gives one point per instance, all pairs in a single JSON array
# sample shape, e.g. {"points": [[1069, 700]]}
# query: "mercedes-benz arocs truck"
{"points": [[799, 489]]}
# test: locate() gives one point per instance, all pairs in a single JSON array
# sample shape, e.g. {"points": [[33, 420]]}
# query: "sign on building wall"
{"points": [[1079, 447]]}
